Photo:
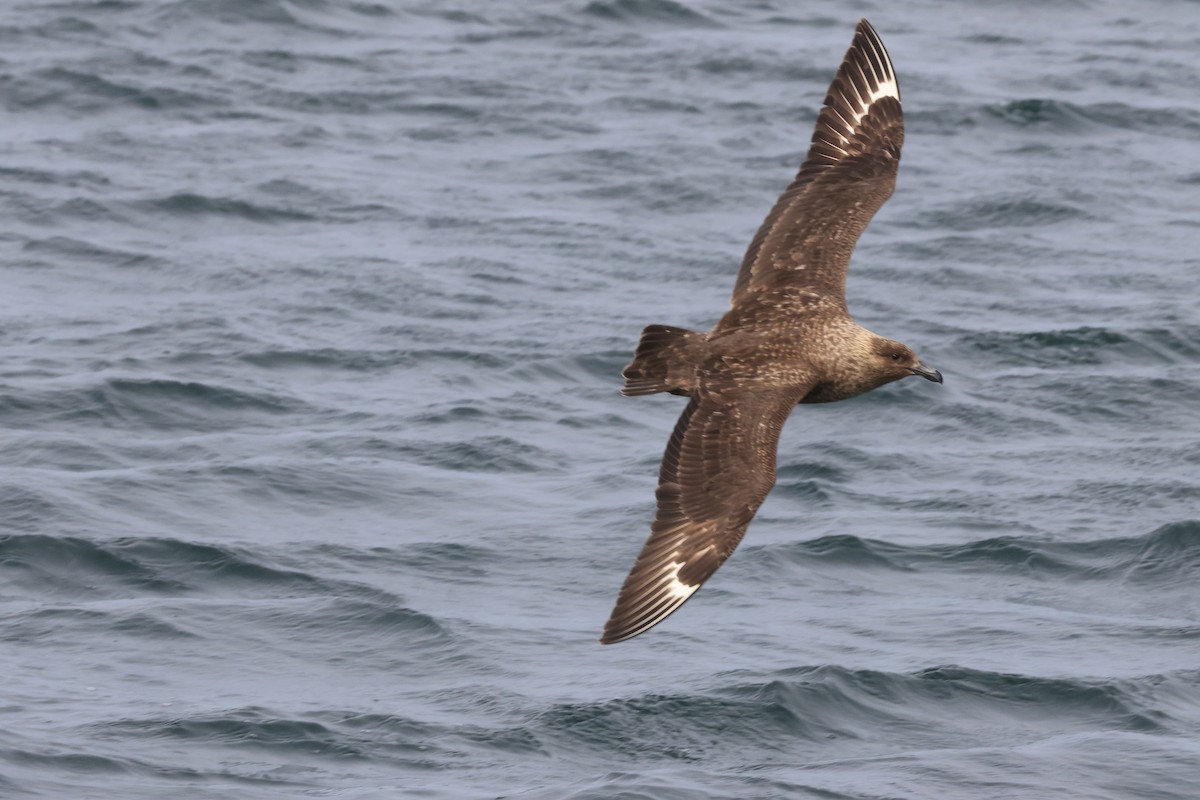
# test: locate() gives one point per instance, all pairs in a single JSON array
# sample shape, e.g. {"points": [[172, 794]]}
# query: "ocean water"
{"points": [[315, 477]]}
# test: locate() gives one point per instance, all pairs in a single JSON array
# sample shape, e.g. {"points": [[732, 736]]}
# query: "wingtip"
{"points": [[870, 55], [616, 630], [635, 614], [867, 30], [609, 637], [623, 636]]}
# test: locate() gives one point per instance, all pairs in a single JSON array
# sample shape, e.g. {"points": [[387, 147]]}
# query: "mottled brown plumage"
{"points": [[786, 339]]}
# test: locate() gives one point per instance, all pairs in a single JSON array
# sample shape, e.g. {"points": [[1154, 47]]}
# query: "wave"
{"points": [[463, 562], [22, 508], [45, 624], [574, 369], [482, 454], [382, 738], [1165, 556], [369, 360], [43, 210], [365, 623], [72, 566], [145, 403], [48, 177], [78, 771], [63, 247], [61, 88], [638, 12], [312, 16], [188, 204], [745, 717], [1004, 211], [1051, 116], [1087, 345], [861, 709]]}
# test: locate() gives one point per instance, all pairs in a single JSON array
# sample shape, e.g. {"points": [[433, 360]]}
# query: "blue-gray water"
{"points": [[315, 478]]}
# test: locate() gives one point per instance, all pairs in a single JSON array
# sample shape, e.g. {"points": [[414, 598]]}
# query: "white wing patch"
{"points": [[888, 88], [885, 78], [676, 588]]}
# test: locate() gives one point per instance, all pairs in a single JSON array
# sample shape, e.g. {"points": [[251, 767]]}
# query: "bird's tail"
{"points": [[665, 361]]}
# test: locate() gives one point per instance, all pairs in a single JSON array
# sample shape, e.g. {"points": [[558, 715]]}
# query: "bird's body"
{"points": [[787, 339]]}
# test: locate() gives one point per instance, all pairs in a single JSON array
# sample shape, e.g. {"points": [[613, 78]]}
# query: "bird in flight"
{"points": [[787, 338]]}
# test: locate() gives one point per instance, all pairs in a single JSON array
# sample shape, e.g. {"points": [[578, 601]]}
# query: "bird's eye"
{"points": [[895, 356]]}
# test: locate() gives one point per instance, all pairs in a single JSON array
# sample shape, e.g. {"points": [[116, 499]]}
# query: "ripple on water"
{"points": [[1160, 559]]}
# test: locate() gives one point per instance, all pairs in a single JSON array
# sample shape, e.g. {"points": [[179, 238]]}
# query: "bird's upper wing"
{"points": [[718, 468], [806, 240]]}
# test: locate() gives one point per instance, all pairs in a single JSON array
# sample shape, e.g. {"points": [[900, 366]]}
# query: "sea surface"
{"points": [[315, 478]]}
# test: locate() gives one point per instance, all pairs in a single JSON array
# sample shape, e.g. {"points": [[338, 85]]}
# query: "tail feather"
{"points": [[665, 361]]}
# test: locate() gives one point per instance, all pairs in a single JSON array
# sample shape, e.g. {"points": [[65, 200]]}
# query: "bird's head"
{"points": [[894, 360]]}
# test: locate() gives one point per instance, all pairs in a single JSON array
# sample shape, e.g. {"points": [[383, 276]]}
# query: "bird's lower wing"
{"points": [[716, 472]]}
